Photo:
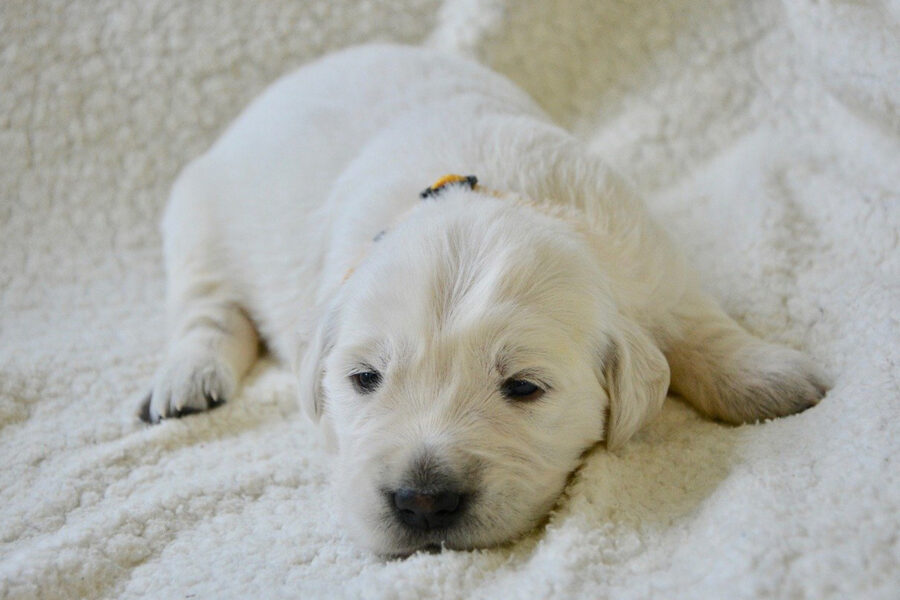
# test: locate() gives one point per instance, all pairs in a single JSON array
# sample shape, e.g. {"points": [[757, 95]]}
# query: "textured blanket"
{"points": [[765, 136]]}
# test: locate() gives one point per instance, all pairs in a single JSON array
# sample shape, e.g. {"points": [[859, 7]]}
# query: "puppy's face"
{"points": [[463, 369]]}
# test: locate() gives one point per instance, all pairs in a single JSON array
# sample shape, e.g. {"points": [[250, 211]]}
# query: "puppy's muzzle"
{"points": [[427, 510], [432, 496]]}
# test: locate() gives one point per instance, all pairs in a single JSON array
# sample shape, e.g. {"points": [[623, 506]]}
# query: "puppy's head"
{"points": [[464, 368]]}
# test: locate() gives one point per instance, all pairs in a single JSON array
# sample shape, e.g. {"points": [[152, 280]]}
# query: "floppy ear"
{"points": [[637, 378], [310, 369]]}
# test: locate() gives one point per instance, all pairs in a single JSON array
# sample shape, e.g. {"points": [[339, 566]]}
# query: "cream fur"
{"points": [[561, 275]]}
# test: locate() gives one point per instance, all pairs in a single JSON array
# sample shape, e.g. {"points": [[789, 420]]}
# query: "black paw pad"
{"points": [[183, 412], [144, 411], [212, 403]]}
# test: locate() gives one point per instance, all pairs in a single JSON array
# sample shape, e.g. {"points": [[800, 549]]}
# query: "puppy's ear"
{"points": [[636, 376], [310, 369]]}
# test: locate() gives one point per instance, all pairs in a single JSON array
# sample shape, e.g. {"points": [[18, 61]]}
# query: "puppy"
{"points": [[461, 350]]}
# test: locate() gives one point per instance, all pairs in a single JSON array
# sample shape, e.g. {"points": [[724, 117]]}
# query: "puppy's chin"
{"points": [[391, 539], [397, 541]]}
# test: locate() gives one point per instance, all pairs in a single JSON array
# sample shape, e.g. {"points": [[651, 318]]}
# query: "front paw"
{"points": [[188, 382], [775, 381]]}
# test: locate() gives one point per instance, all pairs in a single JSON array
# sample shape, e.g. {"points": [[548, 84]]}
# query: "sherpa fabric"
{"points": [[765, 136]]}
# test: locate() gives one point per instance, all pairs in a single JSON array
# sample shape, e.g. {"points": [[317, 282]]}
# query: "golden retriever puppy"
{"points": [[461, 346]]}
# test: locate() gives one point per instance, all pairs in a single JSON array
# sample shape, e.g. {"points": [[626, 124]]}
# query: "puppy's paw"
{"points": [[191, 380], [771, 381]]}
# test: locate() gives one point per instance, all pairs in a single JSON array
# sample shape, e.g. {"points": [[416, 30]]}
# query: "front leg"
{"points": [[212, 341], [728, 374]]}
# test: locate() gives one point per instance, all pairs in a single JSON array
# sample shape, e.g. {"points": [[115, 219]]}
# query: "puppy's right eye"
{"points": [[366, 382]]}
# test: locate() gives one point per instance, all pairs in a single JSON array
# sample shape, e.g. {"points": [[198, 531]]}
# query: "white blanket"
{"points": [[766, 136]]}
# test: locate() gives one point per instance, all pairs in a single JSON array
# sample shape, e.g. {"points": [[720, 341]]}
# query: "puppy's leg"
{"points": [[212, 342], [213, 346], [731, 375]]}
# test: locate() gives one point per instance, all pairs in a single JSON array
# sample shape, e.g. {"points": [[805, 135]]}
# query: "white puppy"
{"points": [[463, 350]]}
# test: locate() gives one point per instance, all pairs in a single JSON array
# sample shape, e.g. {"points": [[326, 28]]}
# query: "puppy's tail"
{"points": [[462, 25]]}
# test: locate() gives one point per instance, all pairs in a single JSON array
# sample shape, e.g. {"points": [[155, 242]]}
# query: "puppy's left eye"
{"points": [[366, 382], [521, 390]]}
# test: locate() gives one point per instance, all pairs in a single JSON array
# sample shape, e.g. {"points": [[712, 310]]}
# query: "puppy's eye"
{"points": [[521, 390], [366, 382]]}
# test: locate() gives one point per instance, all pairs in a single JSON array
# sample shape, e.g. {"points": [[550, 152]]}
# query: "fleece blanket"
{"points": [[765, 135]]}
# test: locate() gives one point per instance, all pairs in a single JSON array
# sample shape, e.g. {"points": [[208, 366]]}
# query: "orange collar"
{"points": [[447, 180]]}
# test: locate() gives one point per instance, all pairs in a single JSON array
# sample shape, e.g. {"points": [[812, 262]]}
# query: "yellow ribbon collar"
{"points": [[446, 181]]}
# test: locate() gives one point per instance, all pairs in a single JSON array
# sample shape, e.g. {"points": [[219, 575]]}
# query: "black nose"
{"points": [[425, 510]]}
